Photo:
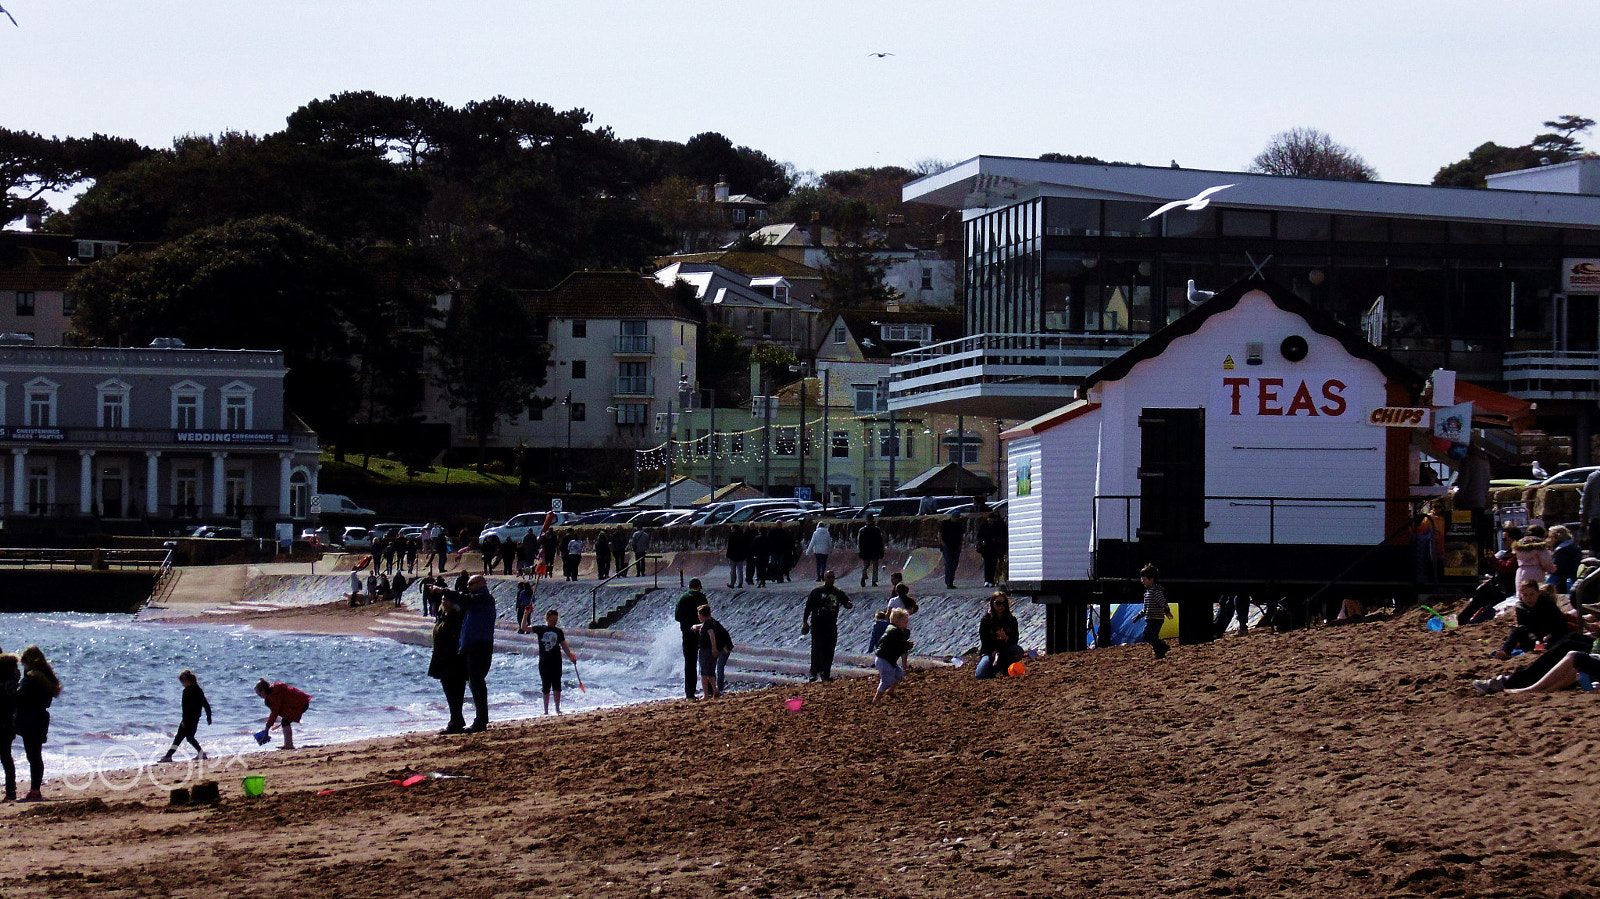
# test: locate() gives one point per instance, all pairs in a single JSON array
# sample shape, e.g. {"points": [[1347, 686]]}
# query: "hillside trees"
{"points": [[1310, 153], [492, 358], [1490, 158], [265, 283], [32, 166]]}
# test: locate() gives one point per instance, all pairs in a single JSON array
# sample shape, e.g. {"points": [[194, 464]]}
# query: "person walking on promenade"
{"points": [[10, 676], [477, 646], [508, 556], [991, 546], [619, 551], [194, 701], [552, 643], [286, 702], [738, 551], [819, 547], [687, 614], [869, 546], [1155, 609], [446, 665], [38, 687], [952, 534], [821, 620], [549, 543], [639, 545], [602, 556], [573, 558], [756, 565]]}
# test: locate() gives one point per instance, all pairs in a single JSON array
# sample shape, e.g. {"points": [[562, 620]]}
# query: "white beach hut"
{"points": [[1236, 449]]}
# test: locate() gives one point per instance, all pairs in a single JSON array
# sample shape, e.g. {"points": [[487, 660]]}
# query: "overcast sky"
{"points": [[1411, 86]]}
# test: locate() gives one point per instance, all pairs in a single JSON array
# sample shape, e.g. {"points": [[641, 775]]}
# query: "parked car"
{"points": [[389, 531], [595, 516], [842, 513], [339, 504], [745, 513], [519, 526], [356, 538], [218, 532], [656, 518], [893, 507], [972, 509], [1570, 476], [315, 536]]}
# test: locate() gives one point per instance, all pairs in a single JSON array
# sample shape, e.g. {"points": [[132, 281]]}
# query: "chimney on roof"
{"points": [[814, 230], [898, 234], [721, 190]]}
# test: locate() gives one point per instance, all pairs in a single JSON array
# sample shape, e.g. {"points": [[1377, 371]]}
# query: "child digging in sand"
{"points": [[894, 646], [194, 700]]}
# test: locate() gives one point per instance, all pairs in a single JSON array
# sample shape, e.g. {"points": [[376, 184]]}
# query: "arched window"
{"points": [[299, 493]]}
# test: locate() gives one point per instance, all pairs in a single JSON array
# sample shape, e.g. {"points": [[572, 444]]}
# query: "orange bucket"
{"points": [[1017, 669]]}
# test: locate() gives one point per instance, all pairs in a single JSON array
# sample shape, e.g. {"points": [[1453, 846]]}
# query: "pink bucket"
{"points": [[794, 704]]}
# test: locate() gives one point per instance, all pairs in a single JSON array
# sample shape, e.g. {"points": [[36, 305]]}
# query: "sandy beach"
{"points": [[1354, 760]]}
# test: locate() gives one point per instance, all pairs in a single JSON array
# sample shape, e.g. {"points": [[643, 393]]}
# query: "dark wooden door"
{"points": [[1172, 475]]}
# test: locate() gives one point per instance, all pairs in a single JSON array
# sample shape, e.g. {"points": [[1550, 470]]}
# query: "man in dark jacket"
{"points": [[477, 645], [991, 545], [821, 620], [687, 615], [952, 533], [869, 545], [737, 552]]}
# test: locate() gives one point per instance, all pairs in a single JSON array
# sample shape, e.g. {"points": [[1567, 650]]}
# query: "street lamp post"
{"points": [[566, 461]]}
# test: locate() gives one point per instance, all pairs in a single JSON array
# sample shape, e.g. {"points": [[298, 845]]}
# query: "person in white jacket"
{"points": [[820, 546]]}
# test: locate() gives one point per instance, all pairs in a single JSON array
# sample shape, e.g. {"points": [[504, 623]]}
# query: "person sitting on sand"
{"points": [[1574, 642], [997, 638], [894, 647], [283, 701], [1539, 619], [1565, 555], [1499, 580], [1534, 559]]}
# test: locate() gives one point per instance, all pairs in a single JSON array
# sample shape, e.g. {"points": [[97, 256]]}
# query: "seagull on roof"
{"points": [[10, 16], [880, 55], [1194, 204], [1197, 296]]}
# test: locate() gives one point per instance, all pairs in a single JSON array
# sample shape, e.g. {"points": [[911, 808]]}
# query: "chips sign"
{"points": [[1400, 417]]}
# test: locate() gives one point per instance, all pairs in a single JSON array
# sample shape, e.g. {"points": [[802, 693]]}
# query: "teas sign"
{"points": [[1303, 397], [1400, 417]]}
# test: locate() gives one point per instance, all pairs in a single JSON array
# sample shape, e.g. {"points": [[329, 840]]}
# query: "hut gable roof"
{"points": [[1225, 300]]}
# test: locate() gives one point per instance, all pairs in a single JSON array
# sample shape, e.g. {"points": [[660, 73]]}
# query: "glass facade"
{"points": [[1456, 294]]}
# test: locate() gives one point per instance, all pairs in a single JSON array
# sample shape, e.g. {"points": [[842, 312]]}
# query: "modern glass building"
{"points": [[1063, 271]]}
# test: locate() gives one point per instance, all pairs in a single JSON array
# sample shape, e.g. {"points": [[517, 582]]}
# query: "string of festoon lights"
{"points": [[746, 445]]}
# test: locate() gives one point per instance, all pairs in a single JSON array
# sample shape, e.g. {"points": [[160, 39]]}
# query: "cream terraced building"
{"points": [[139, 440]]}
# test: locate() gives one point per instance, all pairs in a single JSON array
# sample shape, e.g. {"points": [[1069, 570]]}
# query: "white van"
{"points": [[339, 504]]}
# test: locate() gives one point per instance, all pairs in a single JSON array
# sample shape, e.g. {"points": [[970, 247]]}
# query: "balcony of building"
{"points": [[627, 386], [1007, 376], [633, 345], [1553, 375]]}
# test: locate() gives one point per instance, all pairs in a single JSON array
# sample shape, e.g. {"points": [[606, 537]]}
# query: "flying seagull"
{"points": [[10, 16], [880, 55], [1194, 204]]}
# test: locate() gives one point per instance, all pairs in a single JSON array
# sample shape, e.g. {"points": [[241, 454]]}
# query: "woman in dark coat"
{"points": [[37, 689], [737, 552], [10, 675], [447, 666], [997, 637]]}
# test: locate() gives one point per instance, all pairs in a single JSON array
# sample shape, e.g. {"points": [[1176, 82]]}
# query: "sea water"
{"points": [[120, 701]]}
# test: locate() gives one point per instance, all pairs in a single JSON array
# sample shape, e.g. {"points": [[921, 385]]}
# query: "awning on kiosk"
{"points": [[1493, 409]]}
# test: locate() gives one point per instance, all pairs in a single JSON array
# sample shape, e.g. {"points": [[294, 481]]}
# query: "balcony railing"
{"points": [[1057, 363], [1553, 375], [636, 386], [634, 345]]}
